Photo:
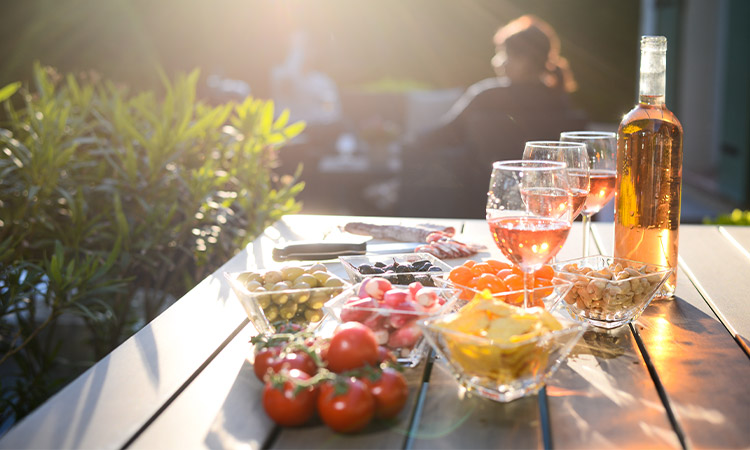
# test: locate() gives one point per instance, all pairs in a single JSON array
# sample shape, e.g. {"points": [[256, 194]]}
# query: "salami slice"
{"points": [[401, 233]]}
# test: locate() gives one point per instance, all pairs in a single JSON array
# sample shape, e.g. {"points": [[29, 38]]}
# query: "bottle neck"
{"points": [[653, 75]]}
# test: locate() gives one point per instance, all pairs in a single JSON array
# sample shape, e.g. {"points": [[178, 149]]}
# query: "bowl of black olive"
{"points": [[400, 269]]}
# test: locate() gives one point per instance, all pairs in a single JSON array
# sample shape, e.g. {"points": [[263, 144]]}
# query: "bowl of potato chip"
{"points": [[500, 351]]}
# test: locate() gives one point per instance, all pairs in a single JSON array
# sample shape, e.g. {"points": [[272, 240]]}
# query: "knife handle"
{"points": [[307, 251]]}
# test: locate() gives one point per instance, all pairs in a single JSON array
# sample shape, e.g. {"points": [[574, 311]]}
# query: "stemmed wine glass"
{"points": [[602, 151], [529, 213], [575, 156]]}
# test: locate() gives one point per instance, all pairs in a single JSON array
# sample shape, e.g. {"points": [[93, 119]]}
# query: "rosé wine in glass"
{"points": [[529, 212]]}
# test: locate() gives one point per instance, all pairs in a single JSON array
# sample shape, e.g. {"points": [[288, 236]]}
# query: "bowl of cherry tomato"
{"points": [[504, 281]]}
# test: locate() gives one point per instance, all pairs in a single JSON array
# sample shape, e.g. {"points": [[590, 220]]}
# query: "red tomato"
{"points": [[263, 359], [347, 408], [295, 360], [353, 345], [385, 355], [390, 392], [287, 407]]}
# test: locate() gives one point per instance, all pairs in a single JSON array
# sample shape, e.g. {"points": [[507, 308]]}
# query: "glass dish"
{"points": [[395, 329], [501, 371], [609, 292], [351, 264], [303, 305], [549, 295]]}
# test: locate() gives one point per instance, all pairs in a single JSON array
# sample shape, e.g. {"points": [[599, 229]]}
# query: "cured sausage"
{"points": [[401, 233]]}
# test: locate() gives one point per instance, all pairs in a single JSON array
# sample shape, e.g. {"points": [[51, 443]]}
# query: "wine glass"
{"points": [[529, 213], [602, 150], [575, 156]]}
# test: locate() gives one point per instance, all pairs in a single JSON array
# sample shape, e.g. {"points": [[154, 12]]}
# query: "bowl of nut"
{"points": [[607, 291], [402, 269], [500, 351], [289, 294]]}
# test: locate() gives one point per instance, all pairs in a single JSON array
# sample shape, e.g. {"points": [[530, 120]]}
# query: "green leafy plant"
{"points": [[113, 204], [736, 217]]}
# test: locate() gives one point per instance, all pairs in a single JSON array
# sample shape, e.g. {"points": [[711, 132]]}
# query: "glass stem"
{"points": [[586, 221], [528, 285]]}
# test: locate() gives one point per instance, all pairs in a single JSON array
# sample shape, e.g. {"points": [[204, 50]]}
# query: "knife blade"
{"points": [[310, 251]]}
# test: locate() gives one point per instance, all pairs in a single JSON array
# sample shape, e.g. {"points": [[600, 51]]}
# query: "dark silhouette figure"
{"points": [[447, 170]]}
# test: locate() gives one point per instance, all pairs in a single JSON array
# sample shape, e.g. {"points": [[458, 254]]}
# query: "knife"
{"points": [[320, 250]]}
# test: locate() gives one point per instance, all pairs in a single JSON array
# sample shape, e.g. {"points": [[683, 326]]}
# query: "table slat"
{"points": [[696, 359]]}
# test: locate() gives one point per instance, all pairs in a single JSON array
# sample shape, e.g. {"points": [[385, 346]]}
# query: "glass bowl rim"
{"points": [[662, 271], [569, 327]]}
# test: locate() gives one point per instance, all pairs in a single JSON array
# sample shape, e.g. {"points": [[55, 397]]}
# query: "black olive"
{"points": [[379, 264], [434, 269]]}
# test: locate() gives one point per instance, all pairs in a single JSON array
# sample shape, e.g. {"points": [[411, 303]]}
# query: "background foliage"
{"points": [[114, 203]]}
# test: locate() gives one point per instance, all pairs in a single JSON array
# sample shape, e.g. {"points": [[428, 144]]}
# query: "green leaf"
{"points": [[8, 90]]}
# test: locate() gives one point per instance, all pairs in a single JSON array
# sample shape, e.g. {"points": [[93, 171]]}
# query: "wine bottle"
{"points": [[649, 170]]}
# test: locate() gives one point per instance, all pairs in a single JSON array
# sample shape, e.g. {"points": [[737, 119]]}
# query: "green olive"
{"points": [[263, 299], [334, 282], [283, 298], [253, 285], [273, 277], [313, 315], [321, 276], [290, 273], [318, 299], [317, 267], [304, 294], [307, 278], [246, 277], [272, 313], [288, 311]]}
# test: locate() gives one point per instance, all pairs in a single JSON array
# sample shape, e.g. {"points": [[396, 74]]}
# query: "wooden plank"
{"points": [[221, 408], [603, 394], [451, 419], [696, 360], [723, 272]]}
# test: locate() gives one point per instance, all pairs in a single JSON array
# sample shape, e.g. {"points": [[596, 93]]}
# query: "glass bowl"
{"points": [[609, 292], [267, 302], [395, 328], [501, 369], [352, 263], [549, 296]]}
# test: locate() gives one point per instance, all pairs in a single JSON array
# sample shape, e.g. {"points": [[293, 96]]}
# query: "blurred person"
{"points": [[528, 99]]}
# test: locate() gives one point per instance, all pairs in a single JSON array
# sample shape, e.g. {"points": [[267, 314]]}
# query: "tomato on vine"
{"points": [[346, 405], [390, 392], [352, 346], [287, 402]]}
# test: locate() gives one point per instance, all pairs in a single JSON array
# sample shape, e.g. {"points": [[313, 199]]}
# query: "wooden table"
{"points": [[678, 377]]}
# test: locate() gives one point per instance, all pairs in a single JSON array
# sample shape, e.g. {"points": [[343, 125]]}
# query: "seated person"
{"points": [[447, 170]]}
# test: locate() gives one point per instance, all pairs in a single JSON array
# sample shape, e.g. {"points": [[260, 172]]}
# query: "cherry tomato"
{"points": [[263, 359], [498, 265], [390, 392], [353, 345], [470, 263], [385, 355], [294, 360], [285, 404], [460, 275], [546, 272], [480, 268], [346, 407]]}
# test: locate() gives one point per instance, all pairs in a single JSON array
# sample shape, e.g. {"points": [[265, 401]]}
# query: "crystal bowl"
{"points": [[394, 328], [501, 370], [549, 296], [352, 263], [266, 306], [609, 292]]}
